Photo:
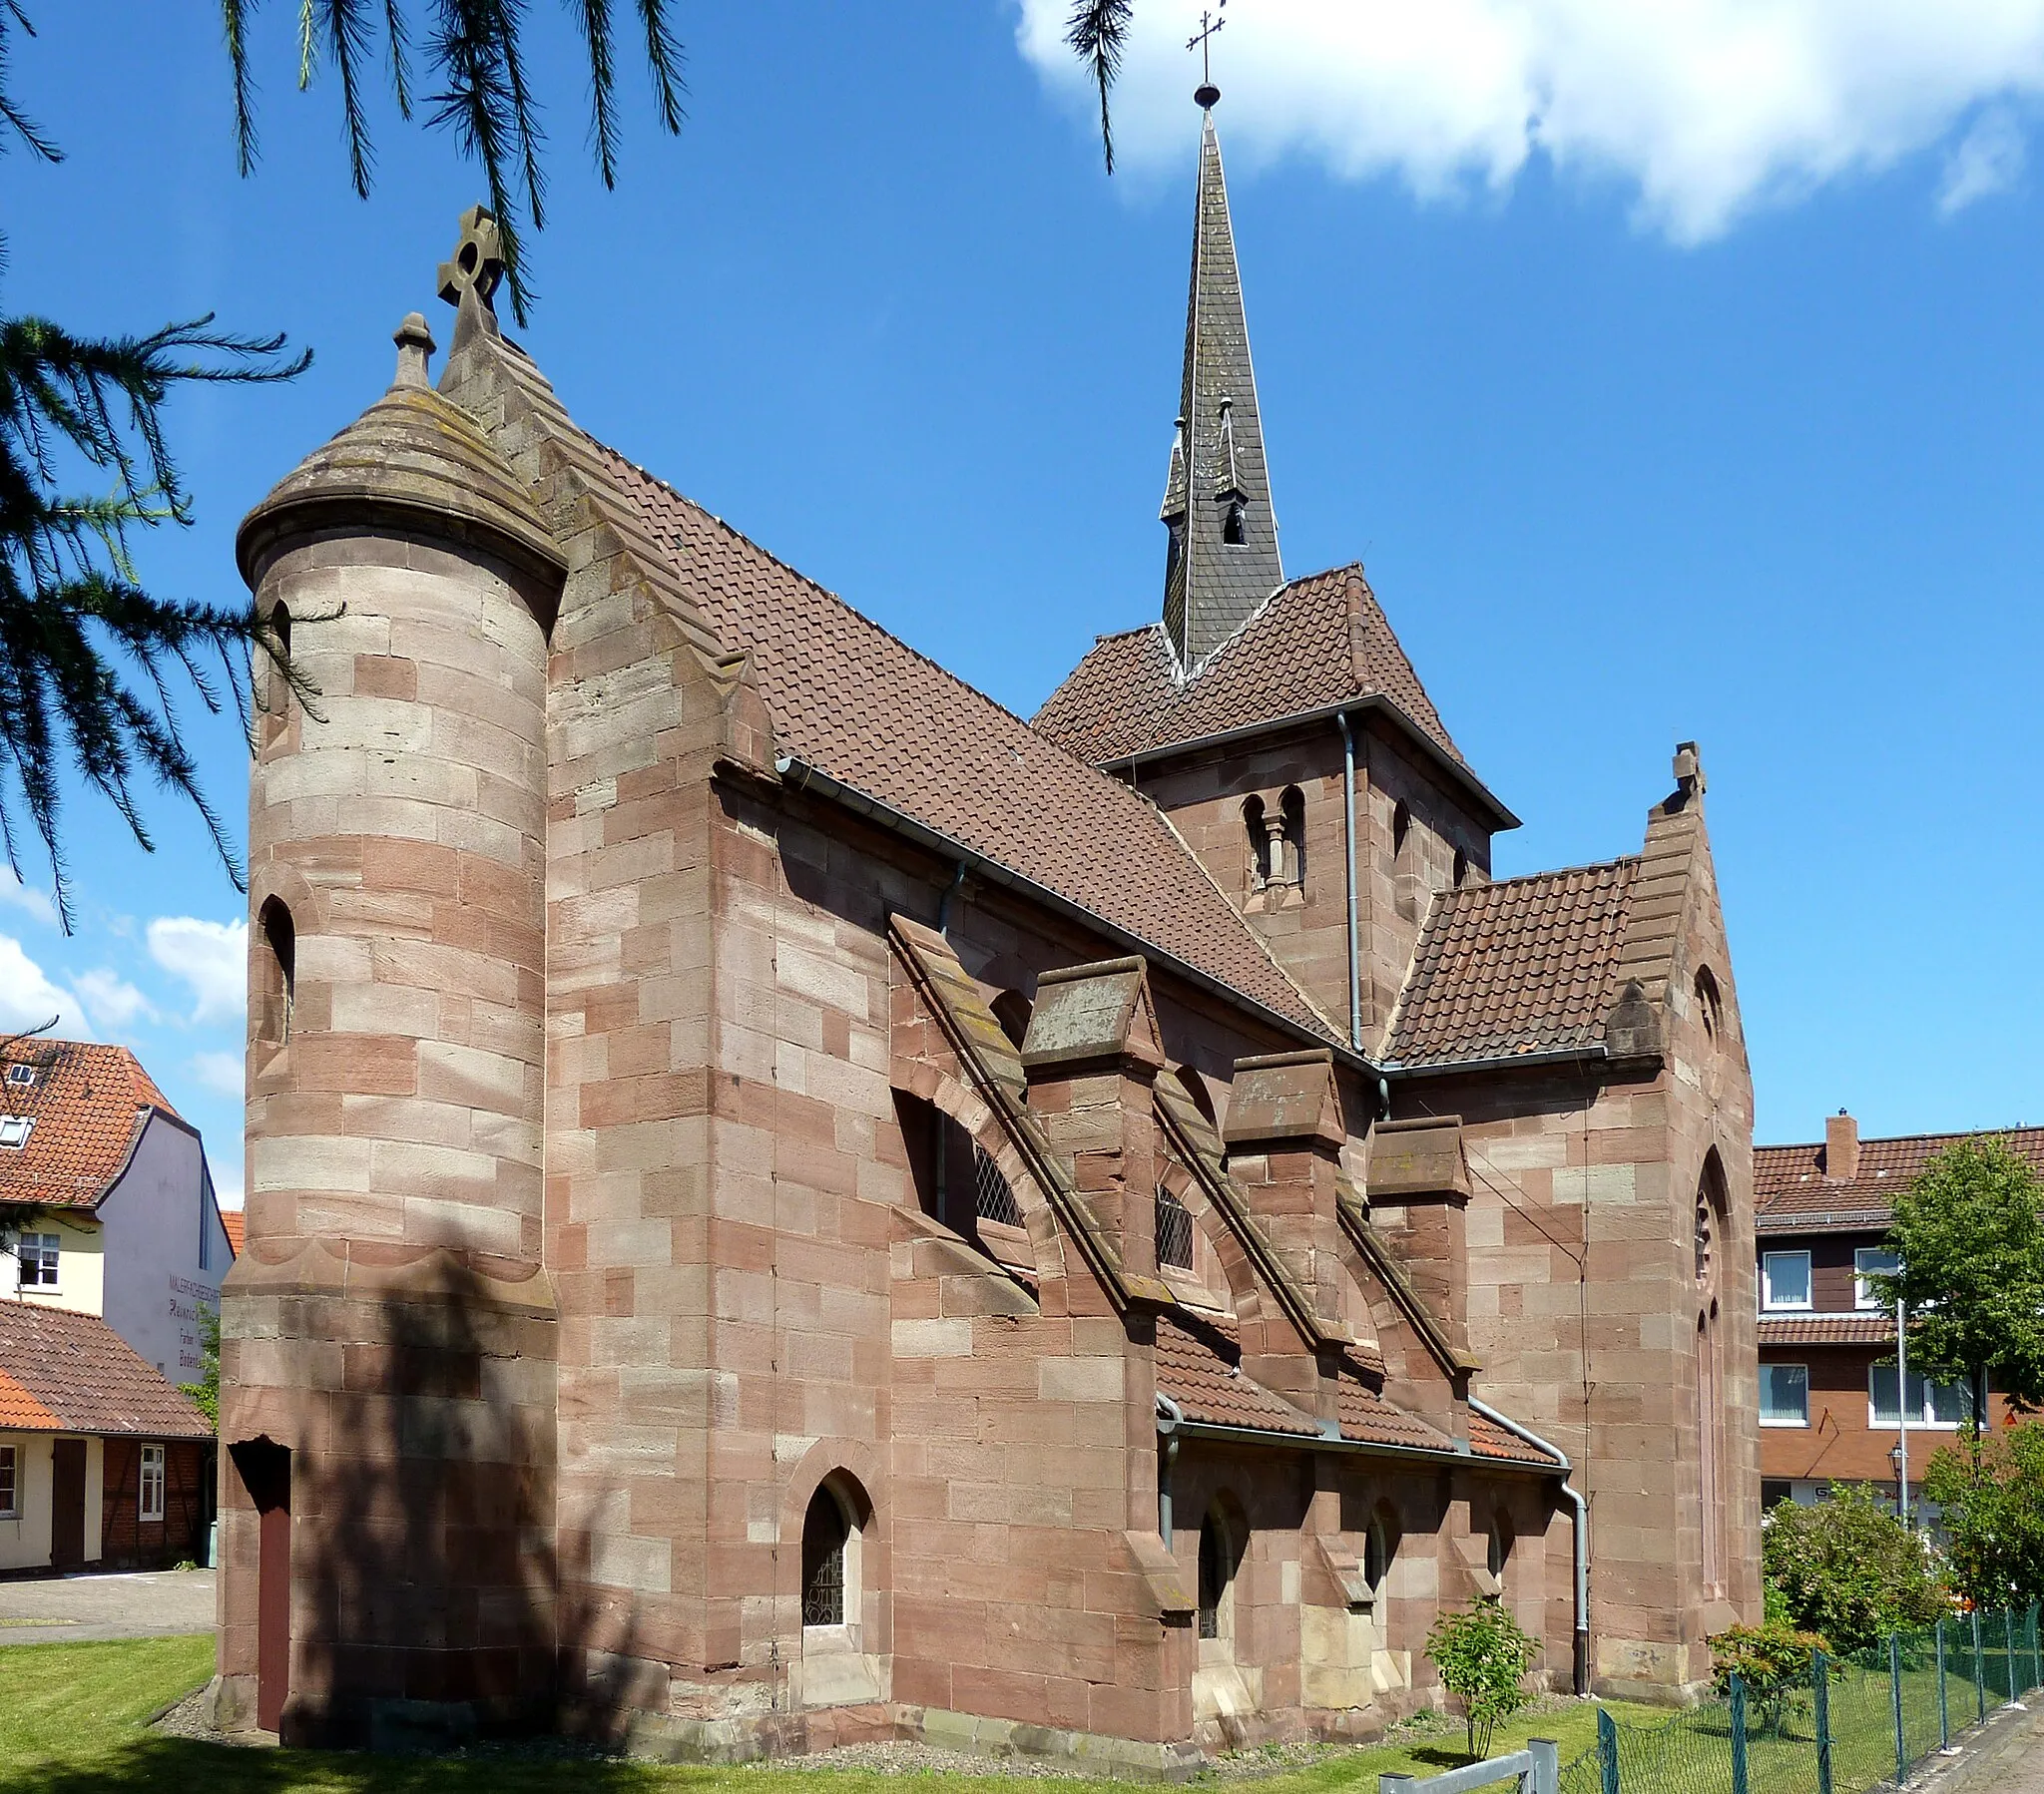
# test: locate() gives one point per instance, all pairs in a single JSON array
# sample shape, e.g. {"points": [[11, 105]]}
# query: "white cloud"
{"points": [[1703, 108], [29, 998], [210, 957], [1987, 161], [111, 1001], [16, 895], [219, 1072], [226, 1167]]}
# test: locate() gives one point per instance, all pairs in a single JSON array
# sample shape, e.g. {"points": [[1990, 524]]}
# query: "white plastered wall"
{"points": [[25, 1539]]}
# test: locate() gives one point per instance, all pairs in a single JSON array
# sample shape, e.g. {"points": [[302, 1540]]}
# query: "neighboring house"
{"points": [[1830, 1410], [102, 1462], [106, 1198]]}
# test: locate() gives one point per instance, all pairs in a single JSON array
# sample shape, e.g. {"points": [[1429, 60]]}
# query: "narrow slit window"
{"points": [[279, 970], [1212, 1575], [1173, 1231], [1234, 525], [825, 1533], [152, 1482]]}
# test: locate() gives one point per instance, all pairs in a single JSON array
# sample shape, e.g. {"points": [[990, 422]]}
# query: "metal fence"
{"points": [[1856, 1724]]}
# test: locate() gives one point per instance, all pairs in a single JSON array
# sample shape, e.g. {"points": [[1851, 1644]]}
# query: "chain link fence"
{"points": [[1858, 1724]]}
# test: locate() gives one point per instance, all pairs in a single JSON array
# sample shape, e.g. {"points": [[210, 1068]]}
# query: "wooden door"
{"points": [[67, 1517]]}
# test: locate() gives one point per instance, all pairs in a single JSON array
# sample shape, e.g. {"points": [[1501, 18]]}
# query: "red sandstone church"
{"points": [[789, 1205]]}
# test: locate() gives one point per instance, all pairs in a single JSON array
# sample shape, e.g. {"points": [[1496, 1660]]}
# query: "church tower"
{"points": [[1221, 559]]}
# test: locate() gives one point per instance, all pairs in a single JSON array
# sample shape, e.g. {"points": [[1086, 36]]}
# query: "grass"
{"points": [[73, 1717]]}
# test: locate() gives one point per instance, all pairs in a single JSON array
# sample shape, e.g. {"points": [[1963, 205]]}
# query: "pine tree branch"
{"points": [[1098, 33]]}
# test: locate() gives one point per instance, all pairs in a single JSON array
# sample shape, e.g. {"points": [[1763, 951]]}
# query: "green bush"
{"points": [[1483, 1655], [1850, 1571], [1993, 1515], [1775, 1663]]}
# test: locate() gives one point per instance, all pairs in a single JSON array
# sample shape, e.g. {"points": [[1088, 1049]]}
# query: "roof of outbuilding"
{"points": [[235, 1222], [1319, 641], [1525, 965], [1826, 1330], [88, 1102], [875, 716], [1792, 1186], [72, 1373]]}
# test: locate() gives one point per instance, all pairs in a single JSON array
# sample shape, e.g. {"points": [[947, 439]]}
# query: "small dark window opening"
{"points": [[1258, 841], [1379, 1548], [1709, 1005], [1501, 1542], [994, 1200], [1011, 1009], [1232, 524], [826, 1532], [1774, 1491], [1174, 551], [279, 970], [1401, 826], [1173, 1231], [1294, 835], [1212, 1575], [1461, 868]]}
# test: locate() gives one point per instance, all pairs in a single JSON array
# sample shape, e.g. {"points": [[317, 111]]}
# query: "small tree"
{"points": [[1483, 1655], [205, 1393], [1993, 1515], [1969, 1232], [1774, 1660], [1849, 1569]]}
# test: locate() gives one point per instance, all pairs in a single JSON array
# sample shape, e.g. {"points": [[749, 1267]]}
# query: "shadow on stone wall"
{"points": [[427, 1552]]}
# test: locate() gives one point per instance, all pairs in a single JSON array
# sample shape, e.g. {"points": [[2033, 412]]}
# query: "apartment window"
{"points": [[15, 1129], [1929, 1404], [152, 1483], [1785, 1395], [9, 1508], [1785, 1280], [1871, 1262], [38, 1255], [1173, 1231], [1774, 1491]]}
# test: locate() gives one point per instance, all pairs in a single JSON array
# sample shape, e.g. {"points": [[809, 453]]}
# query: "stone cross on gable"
{"points": [[478, 260]]}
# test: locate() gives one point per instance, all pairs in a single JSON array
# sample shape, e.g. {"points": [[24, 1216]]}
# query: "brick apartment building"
{"points": [[1829, 1409], [787, 1203]]}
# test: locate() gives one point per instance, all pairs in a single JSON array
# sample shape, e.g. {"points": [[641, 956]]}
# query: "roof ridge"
{"points": [[1522, 878], [1897, 1140]]}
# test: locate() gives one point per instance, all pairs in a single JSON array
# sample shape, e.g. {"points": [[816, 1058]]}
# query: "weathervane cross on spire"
{"points": [[1202, 40]]}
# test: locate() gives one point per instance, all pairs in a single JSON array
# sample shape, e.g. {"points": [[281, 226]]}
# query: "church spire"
{"points": [[1222, 562]]}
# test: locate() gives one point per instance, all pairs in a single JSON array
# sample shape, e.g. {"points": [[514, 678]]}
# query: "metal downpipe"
{"points": [[1580, 1528], [1170, 1417], [1349, 843]]}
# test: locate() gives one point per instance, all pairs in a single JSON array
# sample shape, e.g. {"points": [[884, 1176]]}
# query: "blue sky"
{"points": [[1656, 410]]}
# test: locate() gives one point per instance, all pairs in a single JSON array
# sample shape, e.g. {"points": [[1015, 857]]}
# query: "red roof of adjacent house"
{"points": [[1826, 1330], [873, 715], [1317, 642], [1793, 1188], [86, 1103], [1525, 965], [236, 1223], [72, 1373]]}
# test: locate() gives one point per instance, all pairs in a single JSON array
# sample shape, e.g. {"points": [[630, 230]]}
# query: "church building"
{"points": [[788, 1205]]}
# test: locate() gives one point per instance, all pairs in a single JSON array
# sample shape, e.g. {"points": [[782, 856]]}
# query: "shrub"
{"points": [[1850, 1570], [1774, 1662], [1993, 1515], [1483, 1655]]}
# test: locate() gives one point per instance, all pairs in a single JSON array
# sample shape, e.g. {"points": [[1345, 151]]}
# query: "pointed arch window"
{"points": [[1257, 831], [1217, 1572], [278, 972], [1173, 1231], [993, 1200], [1234, 524], [1293, 804]]}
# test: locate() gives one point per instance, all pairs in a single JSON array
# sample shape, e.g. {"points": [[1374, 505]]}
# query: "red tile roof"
{"points": [[1366, 1415], [1489, 1440], [1319, 640], [1192, 1371], [1794, 1190], [1526, 965], [872, 714], [73, 1373], [235, 1222], [88, 1104], [1826, 1330]]}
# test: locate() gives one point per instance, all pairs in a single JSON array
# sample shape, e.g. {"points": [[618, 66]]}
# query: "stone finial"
{"points": [[478, 260], [1689, 769], [415, 344]]}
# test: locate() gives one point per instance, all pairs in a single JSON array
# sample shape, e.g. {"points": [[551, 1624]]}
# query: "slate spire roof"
{"points": [[1222, 562]]}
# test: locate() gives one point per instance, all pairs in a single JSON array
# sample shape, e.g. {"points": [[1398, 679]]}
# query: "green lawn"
{"points": [[71, 1722]]}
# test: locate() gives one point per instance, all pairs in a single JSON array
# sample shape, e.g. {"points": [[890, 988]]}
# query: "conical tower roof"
{"points": [[412, 456], [1222, 561]]}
